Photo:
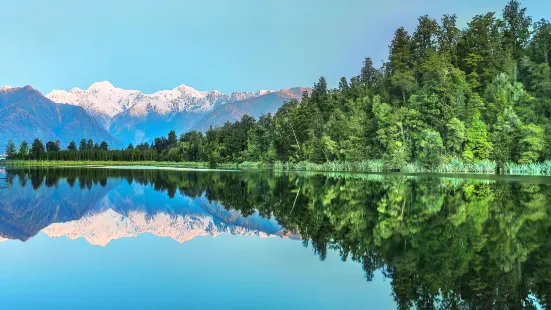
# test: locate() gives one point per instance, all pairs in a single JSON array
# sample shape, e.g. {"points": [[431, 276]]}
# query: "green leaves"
{"points": [[532, 143]]}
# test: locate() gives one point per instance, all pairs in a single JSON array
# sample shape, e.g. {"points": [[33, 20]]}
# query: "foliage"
{"points": [[445, 96]]}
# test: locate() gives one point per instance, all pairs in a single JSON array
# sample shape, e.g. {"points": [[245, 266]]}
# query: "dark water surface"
{"points": [[114, 238]]}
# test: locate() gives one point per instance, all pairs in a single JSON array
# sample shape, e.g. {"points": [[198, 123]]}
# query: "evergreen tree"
{"points": [[23, 149], [10, 150], [82, 145], [37, 150], [72, 146], [90, 144], [516, 28]]}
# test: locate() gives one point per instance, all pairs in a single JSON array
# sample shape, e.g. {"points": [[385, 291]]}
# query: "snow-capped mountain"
{"points": [[101, 100], [134, 117], [104, 101], [108, 225]]}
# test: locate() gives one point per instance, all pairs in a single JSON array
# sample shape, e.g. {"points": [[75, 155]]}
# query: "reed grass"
{"points": [[369, 165]]}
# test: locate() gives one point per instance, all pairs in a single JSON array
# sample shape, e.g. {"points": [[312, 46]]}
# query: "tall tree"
{"points": [[10, 149], [104, 146], [82, 145], [448, 38], [540, 46], [90, 144], [424, 43], [172, 139], [72, 146], [516, 28], [23, 149], [480, 49], [37, 150], [51, 147]]}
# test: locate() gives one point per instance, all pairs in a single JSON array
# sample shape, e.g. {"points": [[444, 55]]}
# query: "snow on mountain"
{"points": [[104, 101], [104, 227]]}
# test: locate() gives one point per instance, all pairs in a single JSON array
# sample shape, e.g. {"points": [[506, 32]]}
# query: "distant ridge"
{"points": [[131, 116], [25, 114]]}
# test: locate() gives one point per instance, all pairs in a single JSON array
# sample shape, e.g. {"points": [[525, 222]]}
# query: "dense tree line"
{"points": [[87, 150], [445, 94]]}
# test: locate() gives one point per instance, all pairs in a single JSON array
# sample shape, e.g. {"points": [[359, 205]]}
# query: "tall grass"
{"points": [[365, 165], [530, 168], [451, 166]]}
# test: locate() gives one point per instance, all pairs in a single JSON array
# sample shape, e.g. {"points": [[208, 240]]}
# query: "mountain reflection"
{"points": [[102, 205], [444, 242]]}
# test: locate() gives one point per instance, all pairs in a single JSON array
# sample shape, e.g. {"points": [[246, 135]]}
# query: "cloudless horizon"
{"points": [[213, 44]]}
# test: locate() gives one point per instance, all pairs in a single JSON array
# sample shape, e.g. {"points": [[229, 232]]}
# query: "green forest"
{"points": [[447, 99]]}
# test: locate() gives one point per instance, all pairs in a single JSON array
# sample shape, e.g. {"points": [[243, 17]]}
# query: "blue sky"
{"points": [[240, 45]]}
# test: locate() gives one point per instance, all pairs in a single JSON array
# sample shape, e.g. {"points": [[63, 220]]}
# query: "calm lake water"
{"points": [[118, 238]]}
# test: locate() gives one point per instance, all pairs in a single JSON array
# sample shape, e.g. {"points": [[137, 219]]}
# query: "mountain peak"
{"points": [[101, 85], [185, 89]]}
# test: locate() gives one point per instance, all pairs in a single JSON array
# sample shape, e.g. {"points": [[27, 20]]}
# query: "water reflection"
{"points": [[444, 242], [103, 205]]}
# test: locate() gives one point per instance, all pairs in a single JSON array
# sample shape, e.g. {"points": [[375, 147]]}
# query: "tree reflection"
{"points": [[445, 243]]}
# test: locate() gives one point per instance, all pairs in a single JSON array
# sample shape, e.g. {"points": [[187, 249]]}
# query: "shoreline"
{"points": [[280, 167]]}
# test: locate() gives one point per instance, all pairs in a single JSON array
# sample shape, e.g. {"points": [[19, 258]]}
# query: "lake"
{"points": [[134, 238]]}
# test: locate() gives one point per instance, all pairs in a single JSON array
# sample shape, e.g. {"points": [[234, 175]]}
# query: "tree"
{"points": [[82, 145], [52, 147], [424, 42], [477, 146], [158, 144], [10, 150], [104, 146], [540, 45], [532, 143], [400, 52], [501, 95], [430, 149], [481, 51], [516, 28], [369, 75], [448, 38], [455, 137], [504, 136], [172, 139], [90, 145], [72, 146], [37, 150], [392, 133], [23, 149], [404, 81], [130, 147]]}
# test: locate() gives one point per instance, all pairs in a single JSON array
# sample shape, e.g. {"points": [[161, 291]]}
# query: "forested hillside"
{"points": [[446, 96]]}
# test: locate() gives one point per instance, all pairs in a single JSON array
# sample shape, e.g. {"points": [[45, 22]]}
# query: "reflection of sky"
{"points": [[230, 272], [147, 272]]}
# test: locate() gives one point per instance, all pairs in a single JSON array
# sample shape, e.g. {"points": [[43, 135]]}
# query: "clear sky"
{"points": [[229, 45]]}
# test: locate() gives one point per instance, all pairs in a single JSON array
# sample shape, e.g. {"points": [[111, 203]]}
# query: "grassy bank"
{"points": [[454, 166]]}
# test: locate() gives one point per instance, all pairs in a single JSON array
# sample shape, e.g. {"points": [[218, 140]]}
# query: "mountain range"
{"points": [[26, 114], [131, 116], [103, 212]]}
